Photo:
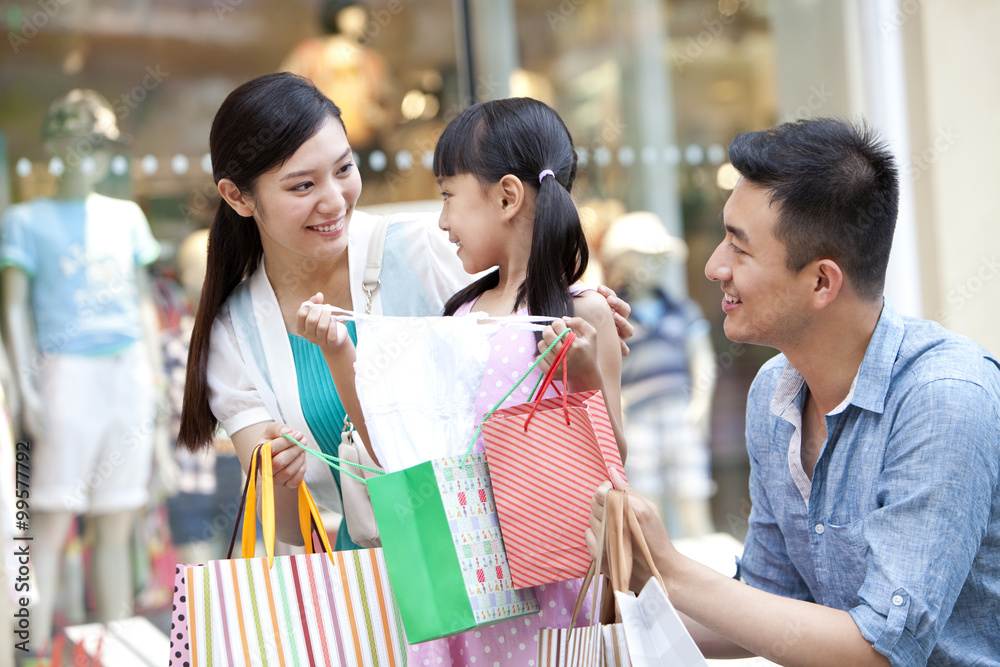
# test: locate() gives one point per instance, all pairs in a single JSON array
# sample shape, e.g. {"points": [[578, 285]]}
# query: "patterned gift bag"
{"points": [[443, 549]]}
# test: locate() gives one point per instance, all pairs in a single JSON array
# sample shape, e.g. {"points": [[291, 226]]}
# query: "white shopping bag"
{"points": [[655, 634]]}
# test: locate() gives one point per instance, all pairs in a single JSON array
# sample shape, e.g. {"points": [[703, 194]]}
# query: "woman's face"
{"points": [[303, 207]]}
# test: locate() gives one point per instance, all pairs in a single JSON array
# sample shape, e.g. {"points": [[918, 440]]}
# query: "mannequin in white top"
{"points": [[79, 320]]}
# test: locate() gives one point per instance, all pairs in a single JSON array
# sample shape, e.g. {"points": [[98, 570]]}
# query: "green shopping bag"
{"points": [[443, 550]]}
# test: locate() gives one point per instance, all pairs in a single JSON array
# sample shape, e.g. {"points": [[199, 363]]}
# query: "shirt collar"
{"points": [[871, 385]]}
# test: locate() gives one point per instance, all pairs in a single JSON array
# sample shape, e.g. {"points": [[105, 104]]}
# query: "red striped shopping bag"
{"points": [[333, 608], [546, 458]]}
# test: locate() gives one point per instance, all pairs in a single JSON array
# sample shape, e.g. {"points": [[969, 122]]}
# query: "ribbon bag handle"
{"points": [[309, 517], [338, 463], [547, 380]]}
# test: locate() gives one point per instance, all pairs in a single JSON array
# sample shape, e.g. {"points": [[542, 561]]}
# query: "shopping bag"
{"points": [[546, 457], [332, 608], [643, 631], [180, 645], [443, 549], [654, 632], [434, 506], [601, 643]]}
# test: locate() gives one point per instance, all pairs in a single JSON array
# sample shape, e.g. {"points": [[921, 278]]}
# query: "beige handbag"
{"points": [[357, 504]]}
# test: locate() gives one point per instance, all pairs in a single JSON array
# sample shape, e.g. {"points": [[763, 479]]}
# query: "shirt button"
{"points": [[820, 528], [897, 600]]}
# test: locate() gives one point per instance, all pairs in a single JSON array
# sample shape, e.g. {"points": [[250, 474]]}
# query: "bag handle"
{"points": [[336, 462], [475, 436], [619, 525], [309, 517], [547, 381], [593, 571]]}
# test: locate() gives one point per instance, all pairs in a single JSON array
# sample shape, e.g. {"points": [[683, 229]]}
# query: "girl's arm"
{"points": [[595, 361], [319, 327]]}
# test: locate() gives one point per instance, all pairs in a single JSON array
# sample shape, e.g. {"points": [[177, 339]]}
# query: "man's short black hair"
{"points": [[836, 188]]}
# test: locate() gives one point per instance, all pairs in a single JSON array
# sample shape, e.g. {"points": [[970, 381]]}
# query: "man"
{"points": [[874, 439]]}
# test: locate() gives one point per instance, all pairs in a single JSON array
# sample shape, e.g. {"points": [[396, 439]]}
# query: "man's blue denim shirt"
{"points": [[902, 523]]}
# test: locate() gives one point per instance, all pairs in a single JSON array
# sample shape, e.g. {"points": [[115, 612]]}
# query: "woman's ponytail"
{"points": [[234, 250]]}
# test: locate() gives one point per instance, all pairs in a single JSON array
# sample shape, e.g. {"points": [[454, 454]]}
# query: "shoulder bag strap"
{"points": [[373, 267]]}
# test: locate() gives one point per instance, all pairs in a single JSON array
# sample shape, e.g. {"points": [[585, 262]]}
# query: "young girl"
{"points": [[287, 227], [506, 169]]}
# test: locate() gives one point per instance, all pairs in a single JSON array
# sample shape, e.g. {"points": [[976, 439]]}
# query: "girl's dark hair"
{"points": [[523, 137], [258, 127]]}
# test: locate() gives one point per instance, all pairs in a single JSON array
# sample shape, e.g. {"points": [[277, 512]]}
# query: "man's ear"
{"points": [[511, 193], [235, 198], [827, 280]]}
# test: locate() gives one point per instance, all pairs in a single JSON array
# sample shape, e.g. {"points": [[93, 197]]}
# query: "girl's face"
{"points": [[472, 217], [303, 207]]}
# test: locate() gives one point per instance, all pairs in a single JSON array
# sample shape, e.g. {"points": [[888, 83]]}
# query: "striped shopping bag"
{"points": [[310, 609], [546, 457], [332, 608]]}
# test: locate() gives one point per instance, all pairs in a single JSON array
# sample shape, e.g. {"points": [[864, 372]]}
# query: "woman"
{"points": [[286, 229]]}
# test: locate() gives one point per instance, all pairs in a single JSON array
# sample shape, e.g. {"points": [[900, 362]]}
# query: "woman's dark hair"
{"points": [[836, 187], [523, 137], [258, 127]]}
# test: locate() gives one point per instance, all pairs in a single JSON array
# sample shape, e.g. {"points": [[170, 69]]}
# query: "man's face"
{"points": [[765, 303]]}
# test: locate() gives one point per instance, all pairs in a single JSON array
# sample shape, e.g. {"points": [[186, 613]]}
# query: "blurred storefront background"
{"points": [[652, 91]]}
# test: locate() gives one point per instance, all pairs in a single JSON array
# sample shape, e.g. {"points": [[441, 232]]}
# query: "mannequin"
{"points": [[668, 378], [85, 369]]}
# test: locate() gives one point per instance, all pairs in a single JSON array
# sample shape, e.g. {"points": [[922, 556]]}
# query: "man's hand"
{"points": [[650, 524]]}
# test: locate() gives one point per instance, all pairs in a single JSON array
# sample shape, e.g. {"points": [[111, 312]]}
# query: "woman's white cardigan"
{"points": [[251, 372]]}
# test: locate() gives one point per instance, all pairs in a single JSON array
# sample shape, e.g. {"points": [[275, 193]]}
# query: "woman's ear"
{"points": [[235, 198], [511, 194]]}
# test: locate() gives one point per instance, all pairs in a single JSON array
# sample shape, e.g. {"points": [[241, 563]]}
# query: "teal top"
{"points": [[322, 409]]}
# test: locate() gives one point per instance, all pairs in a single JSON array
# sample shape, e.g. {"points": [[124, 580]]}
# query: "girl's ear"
{"points": [[235, 198], [511, 194]]}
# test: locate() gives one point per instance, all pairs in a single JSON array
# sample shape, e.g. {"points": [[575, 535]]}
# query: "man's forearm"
{"points": [[783, 630]]}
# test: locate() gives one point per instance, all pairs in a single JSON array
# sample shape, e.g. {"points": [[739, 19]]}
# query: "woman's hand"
{"points": [[288, 460], [320, 327], [583, 368], [620, 309]]}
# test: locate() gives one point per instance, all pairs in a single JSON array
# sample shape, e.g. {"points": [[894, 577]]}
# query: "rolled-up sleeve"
{"points": [[232, 396], [940, 470]]}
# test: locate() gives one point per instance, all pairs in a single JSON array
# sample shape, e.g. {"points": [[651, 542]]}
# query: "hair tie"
{"points": [[545, 172]]}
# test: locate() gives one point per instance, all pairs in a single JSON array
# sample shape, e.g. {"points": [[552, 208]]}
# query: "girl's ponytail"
{"points": [[559, 252]]}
